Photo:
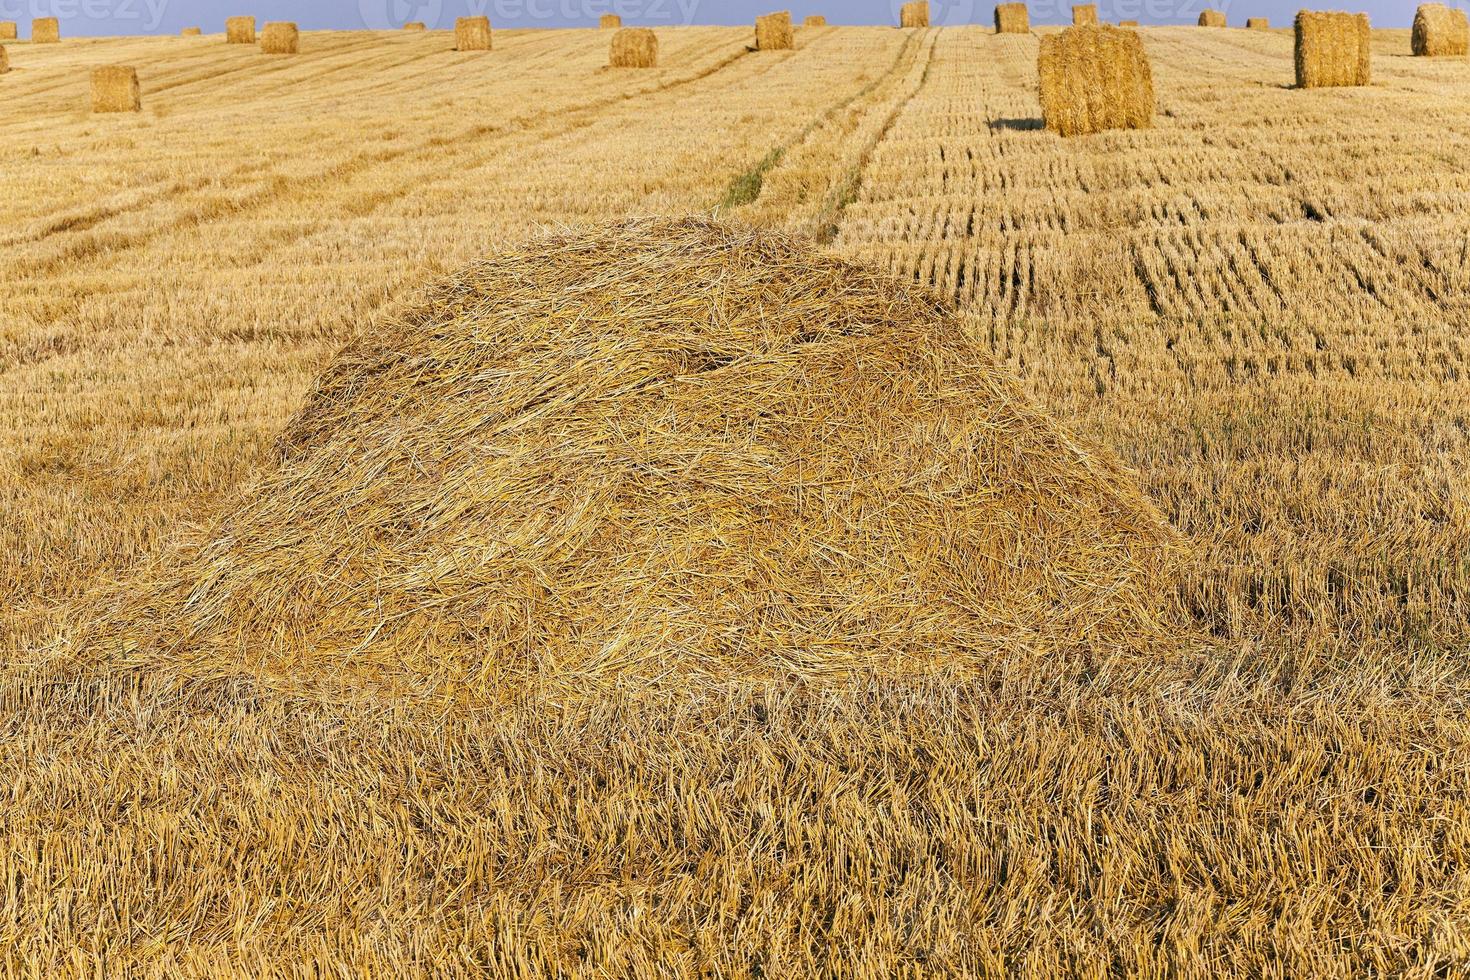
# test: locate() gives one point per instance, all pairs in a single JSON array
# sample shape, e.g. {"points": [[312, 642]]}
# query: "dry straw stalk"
{"points": [[634, 47], [914, 14], [280, 37], [9, 30], [1257, 24], [1441, 32], [773, 32], [815, 20], [240, 30], [115, 89], [610, 22], [1085, 15], [45, 30], [1012, 18], [1212, 18], [1093, 79], [1332, 50], [472, 34]]}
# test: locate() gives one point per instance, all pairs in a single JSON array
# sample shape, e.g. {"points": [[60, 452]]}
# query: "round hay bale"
{"points": [[773, 32], [667, 449], [9, 30], [610, 22], [815, 20], [415, 25], [192, 32], [1012, 18], [1093, 79], [1332, 49], [472, 34], [1085, 15], [634, 47], [280, 37], [45, 30], [240, 30], [914, 14], [1441, 32], [1212, 18], [115, 89], [1257, 24]]}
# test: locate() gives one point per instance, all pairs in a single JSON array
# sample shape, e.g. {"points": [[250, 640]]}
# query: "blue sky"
{"points": [[168, 16]]}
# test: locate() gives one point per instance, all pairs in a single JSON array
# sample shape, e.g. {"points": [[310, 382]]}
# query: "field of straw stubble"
{"points": [[260, 711]]}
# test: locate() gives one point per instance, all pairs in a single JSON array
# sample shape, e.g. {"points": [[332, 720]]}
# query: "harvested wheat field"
{"points": [[778, 514]]}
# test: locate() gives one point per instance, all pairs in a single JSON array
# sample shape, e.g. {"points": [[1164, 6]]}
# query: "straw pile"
{"points": [[1257, 24], [45, 30], [1332, 49], [1441, 32], [1085, 15], [9, 30], [1095, 78], [610, 22], [415, 25], [280, 37], [1012, 18], [472, 34], [773, 32], [240, 30], [191, 32], [815, 20], [1212, 18], [914, 14], [115, 89], [634, 47], [665, 449]]}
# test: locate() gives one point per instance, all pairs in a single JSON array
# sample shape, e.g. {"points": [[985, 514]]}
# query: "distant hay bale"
{"points": [[773, 32], [610, 22], [9, 30], [1257, 24], [240, 30], [472, 34], [415, 25], [1095, 78], [191, 32], [4, 60], [280, 37], [1332, 50], [634, 47], [1127, 23], [914, 14], [815, 20], [1084, 15], [45, 30], [1441, 32], [1212, 18], [115, 89], [659, 449], [1012, 18]]}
